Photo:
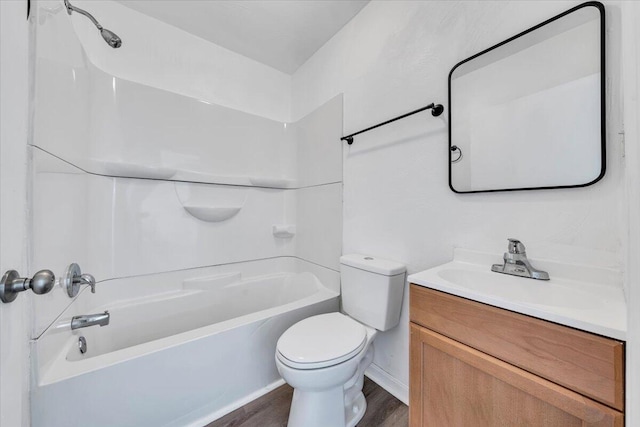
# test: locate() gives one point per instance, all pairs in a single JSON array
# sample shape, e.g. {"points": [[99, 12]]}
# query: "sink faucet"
{"points": [[517, 264], [87, 320]]}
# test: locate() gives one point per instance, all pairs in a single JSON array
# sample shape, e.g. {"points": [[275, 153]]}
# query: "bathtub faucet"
{"points": [[87, 320]]}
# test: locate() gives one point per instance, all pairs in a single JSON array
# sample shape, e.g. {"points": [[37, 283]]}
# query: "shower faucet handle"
{"points": [[87, 279], [73, 279]]}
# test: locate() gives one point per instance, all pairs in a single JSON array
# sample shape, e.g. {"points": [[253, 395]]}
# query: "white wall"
{"points": [[14, 319], [631, 79], [394, 57]]}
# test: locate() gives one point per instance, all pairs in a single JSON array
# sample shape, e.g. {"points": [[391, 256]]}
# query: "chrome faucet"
{"points": [[87, 320], [517, 264]]}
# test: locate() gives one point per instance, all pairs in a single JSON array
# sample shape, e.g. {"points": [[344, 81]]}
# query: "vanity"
{"points": [[490, 349]]}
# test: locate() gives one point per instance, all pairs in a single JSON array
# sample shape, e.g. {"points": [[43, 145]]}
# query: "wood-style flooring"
{"points": [[272, 410]]}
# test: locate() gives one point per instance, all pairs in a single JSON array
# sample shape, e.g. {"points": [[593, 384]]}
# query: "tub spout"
{"points": [[84, 321]]}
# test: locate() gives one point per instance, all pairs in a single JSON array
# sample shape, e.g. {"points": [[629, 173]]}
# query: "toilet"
{"points": [[324, 357]]}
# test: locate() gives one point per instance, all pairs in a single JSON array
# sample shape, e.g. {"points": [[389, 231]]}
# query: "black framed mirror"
{"points": [[529, 112]]}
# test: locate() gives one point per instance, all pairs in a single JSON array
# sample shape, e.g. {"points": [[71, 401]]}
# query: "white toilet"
{"points": [[324, 357]]}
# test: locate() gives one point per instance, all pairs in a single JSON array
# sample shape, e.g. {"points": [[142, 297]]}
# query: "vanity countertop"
{"points": [[583, 297]]}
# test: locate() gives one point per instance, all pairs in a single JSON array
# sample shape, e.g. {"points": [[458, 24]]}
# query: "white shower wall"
{"points": [[165, 57], [126, 171], [120, 126], [125, 128]]}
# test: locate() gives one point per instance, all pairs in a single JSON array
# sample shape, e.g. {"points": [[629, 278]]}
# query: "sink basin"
{"points": [[529, 291], [583, 297]]}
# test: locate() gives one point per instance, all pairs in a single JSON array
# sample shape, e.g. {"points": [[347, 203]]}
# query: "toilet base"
{"points": [[315, 404], [341, 406], [354, 412], [355, 404], [309, 409]]}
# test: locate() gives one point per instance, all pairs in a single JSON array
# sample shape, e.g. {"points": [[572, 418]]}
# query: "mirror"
{"points": [[528, 113]]}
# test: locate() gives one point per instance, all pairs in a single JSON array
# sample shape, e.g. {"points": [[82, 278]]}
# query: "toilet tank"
{"points": [[372, 290]]}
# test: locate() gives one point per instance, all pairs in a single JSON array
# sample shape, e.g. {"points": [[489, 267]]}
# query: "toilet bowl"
{"points": [[324, 357], [326, 373]]}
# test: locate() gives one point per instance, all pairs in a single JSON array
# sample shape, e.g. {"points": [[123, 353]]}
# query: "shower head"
{"points": [[109, 36]]}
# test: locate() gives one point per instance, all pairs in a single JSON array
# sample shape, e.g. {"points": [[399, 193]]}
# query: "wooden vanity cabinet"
{"points": [[476, 365]]}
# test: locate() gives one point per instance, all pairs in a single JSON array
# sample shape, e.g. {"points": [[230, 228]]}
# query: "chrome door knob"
{"points": [[42, 282], [12, 284]]}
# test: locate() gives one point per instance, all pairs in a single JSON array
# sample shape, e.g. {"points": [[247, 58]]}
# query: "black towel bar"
{"points": [[436, 110]]}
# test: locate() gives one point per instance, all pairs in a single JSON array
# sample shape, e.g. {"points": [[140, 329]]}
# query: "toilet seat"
{"points": [[321, 341]]}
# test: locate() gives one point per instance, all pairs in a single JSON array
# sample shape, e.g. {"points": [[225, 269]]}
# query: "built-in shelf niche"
{"points": [[212, 213], [132, 170], [148, 171], [284, 231]]}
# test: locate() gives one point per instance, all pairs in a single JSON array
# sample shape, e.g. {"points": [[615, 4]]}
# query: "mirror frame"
{"points": [[603, 130]]}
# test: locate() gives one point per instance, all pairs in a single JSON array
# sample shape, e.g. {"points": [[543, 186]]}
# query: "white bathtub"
{"points": [[182, 348]]}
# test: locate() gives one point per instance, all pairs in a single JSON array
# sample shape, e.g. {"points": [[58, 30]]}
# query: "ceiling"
{"points": [[282, 34]]}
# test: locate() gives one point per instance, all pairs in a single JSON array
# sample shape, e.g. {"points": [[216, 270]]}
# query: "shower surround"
{"points": [[210, 230]]}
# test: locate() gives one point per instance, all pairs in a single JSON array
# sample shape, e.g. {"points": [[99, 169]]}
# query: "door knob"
{"points": [[12, 284]]}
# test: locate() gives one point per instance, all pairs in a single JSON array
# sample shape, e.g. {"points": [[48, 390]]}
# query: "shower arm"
{"points": [[110, 37], [71, 8]]}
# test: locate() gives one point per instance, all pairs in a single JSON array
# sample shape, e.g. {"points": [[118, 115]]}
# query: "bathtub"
{"points": [[181, 349]]}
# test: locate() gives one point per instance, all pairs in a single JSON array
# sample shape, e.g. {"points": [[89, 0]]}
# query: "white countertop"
{"points": [[583, 297]]}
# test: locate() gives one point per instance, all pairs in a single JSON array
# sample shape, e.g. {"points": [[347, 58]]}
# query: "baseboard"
{"points": [[203, 421], [389, 383], [374, 372]]}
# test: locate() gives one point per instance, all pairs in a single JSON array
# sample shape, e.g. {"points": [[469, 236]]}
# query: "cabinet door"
{"points": [[455, 385], [588, 364]]}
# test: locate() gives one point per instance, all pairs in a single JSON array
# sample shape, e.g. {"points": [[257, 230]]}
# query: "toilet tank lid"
{"points": [[373, 264]]}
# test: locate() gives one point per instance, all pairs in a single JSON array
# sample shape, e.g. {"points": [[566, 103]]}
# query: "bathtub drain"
{"points": [[82, 345]]}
